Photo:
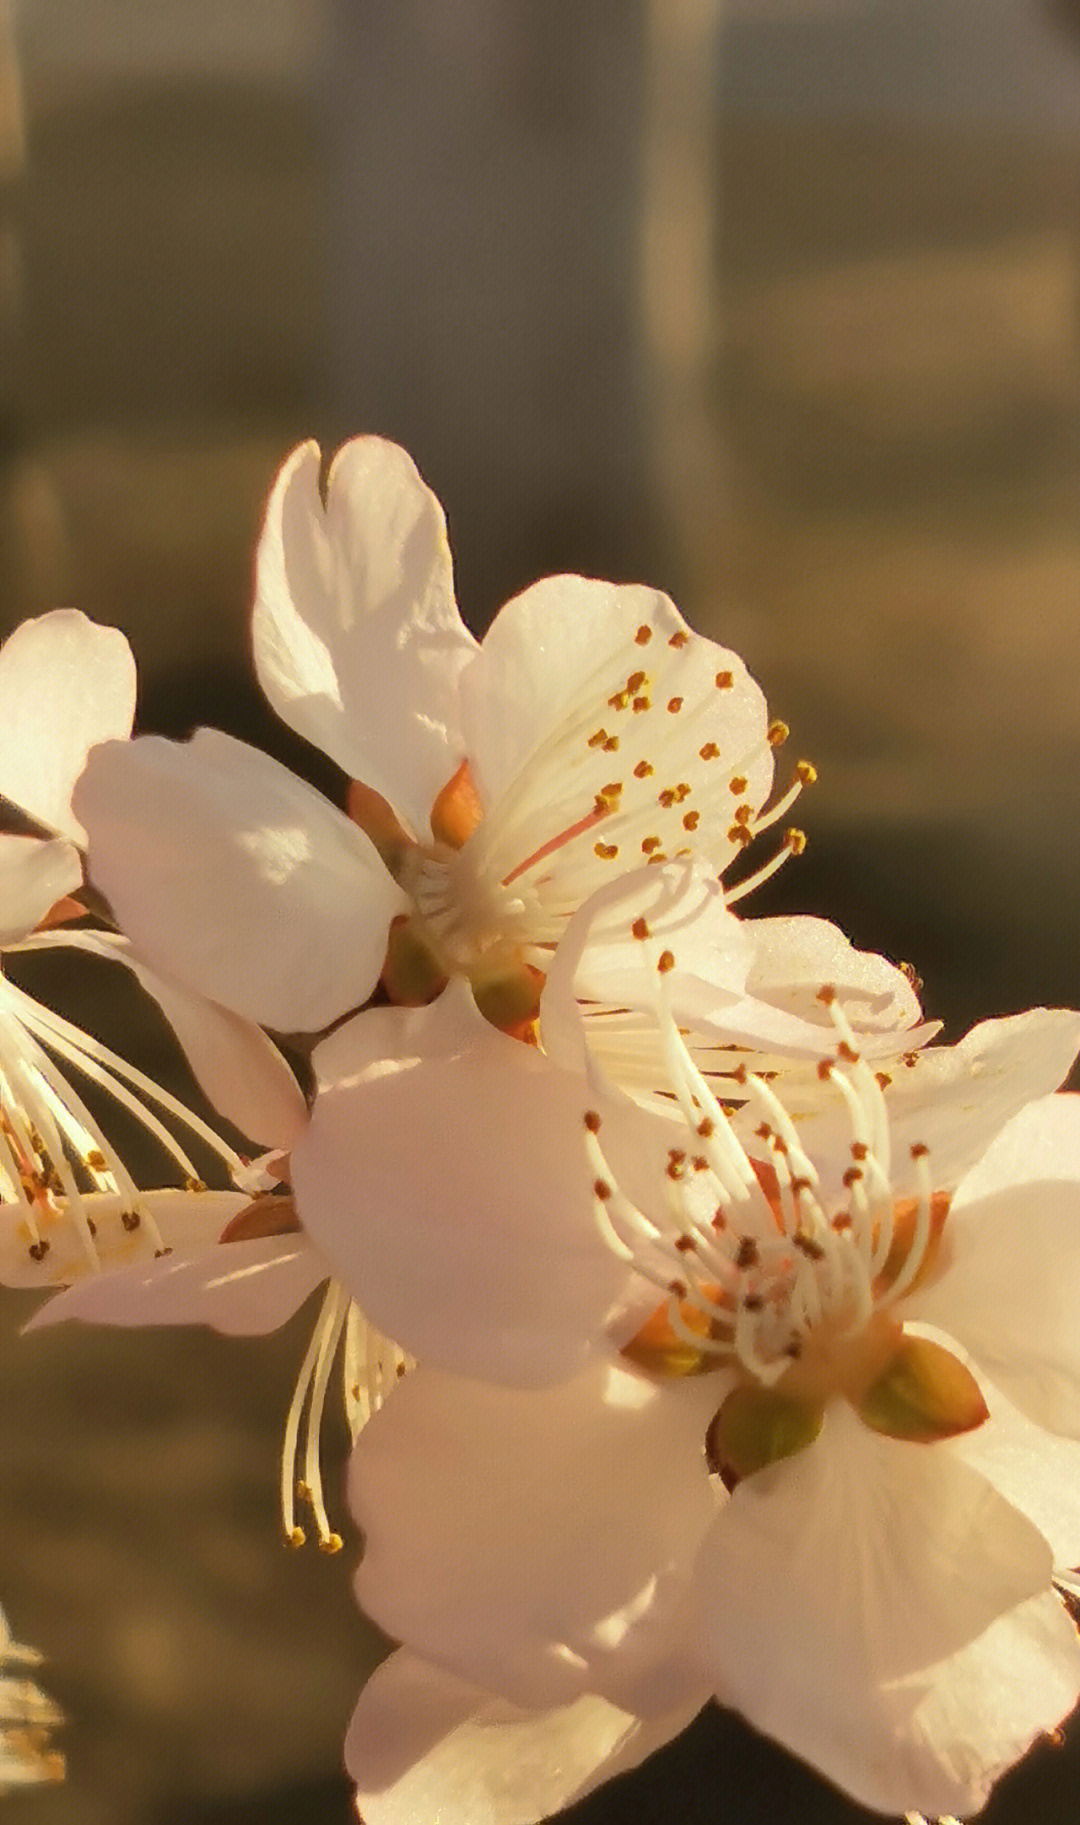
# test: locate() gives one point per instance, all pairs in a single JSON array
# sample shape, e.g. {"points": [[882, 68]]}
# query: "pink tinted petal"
{"points": [[65, 683], [556, 1559], [444, 1175], [237, 880], [1039, 1146], [550, 724], [423, 1745], [1035, 1471], [600, 959], [242, 1289], [1011, 1264], [186, 1221], [954, 1099], [34, 874], [795, 957], [240, 1070], [859, 1602], [358, 641]]}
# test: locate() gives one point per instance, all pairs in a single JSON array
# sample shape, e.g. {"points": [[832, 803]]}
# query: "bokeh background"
{"points": [[774, 303]]}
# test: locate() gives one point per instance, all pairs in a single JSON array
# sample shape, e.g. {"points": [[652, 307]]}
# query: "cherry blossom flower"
{"points": [[440, 1153], [71, 1213], [825, 1481], [27, 1717], [67, 1201], [495, 786]]}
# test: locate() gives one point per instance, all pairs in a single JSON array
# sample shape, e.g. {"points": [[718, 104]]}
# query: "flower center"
{"points": [[765, 1276]]}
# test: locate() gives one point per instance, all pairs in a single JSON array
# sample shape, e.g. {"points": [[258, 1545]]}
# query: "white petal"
{"points": [[444, 1175], [1011, 1264], [1040, 1145], [795, 957], [423, 1745], [65, 683], [358, 641], [1038, 1473], [242, 1289], [555, 1557], [954, 1099], [34, 874], [880, 1610], [545, 735], [187, 1221], [236, 879]]}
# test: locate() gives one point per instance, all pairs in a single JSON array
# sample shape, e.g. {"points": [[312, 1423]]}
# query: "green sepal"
{"points": [[755, 1427], [411, 976], [510, 999], [924, 1395]]}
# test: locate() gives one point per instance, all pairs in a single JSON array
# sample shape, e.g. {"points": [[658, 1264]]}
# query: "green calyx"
{"points": [[924, 1395], [756, 1427]]}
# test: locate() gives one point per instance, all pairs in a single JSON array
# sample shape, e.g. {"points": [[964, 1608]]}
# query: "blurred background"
{"points": [[773, 303]]}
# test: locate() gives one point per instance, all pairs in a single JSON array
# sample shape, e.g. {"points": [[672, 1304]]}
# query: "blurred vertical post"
{"points": [[680, 276], [484, 270], [12, 157]]}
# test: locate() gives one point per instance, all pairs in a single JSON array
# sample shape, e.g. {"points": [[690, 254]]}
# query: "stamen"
{"points": [[25, 1081], [800, 1161], [921, 1235], [868, 1082], [794, 844], [805, 775], [748, 1323], [701, 1341], [52, 1029], [331, 1328]]}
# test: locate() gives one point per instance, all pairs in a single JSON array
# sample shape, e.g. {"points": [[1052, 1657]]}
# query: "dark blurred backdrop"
{"points": [[773, 303]]}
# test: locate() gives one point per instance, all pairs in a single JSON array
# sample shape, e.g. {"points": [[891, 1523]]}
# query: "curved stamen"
{"points": [[802, 1165], [51, 1028], [805, 775], [794, 843], [294, 1534], [700, 1341], [13, 1191], [921, 1236], [336, 1306], [26, 1100]]}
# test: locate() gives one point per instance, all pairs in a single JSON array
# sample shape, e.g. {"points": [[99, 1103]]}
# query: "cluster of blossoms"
{"points": [[707, 1333], [27, 1718]]}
